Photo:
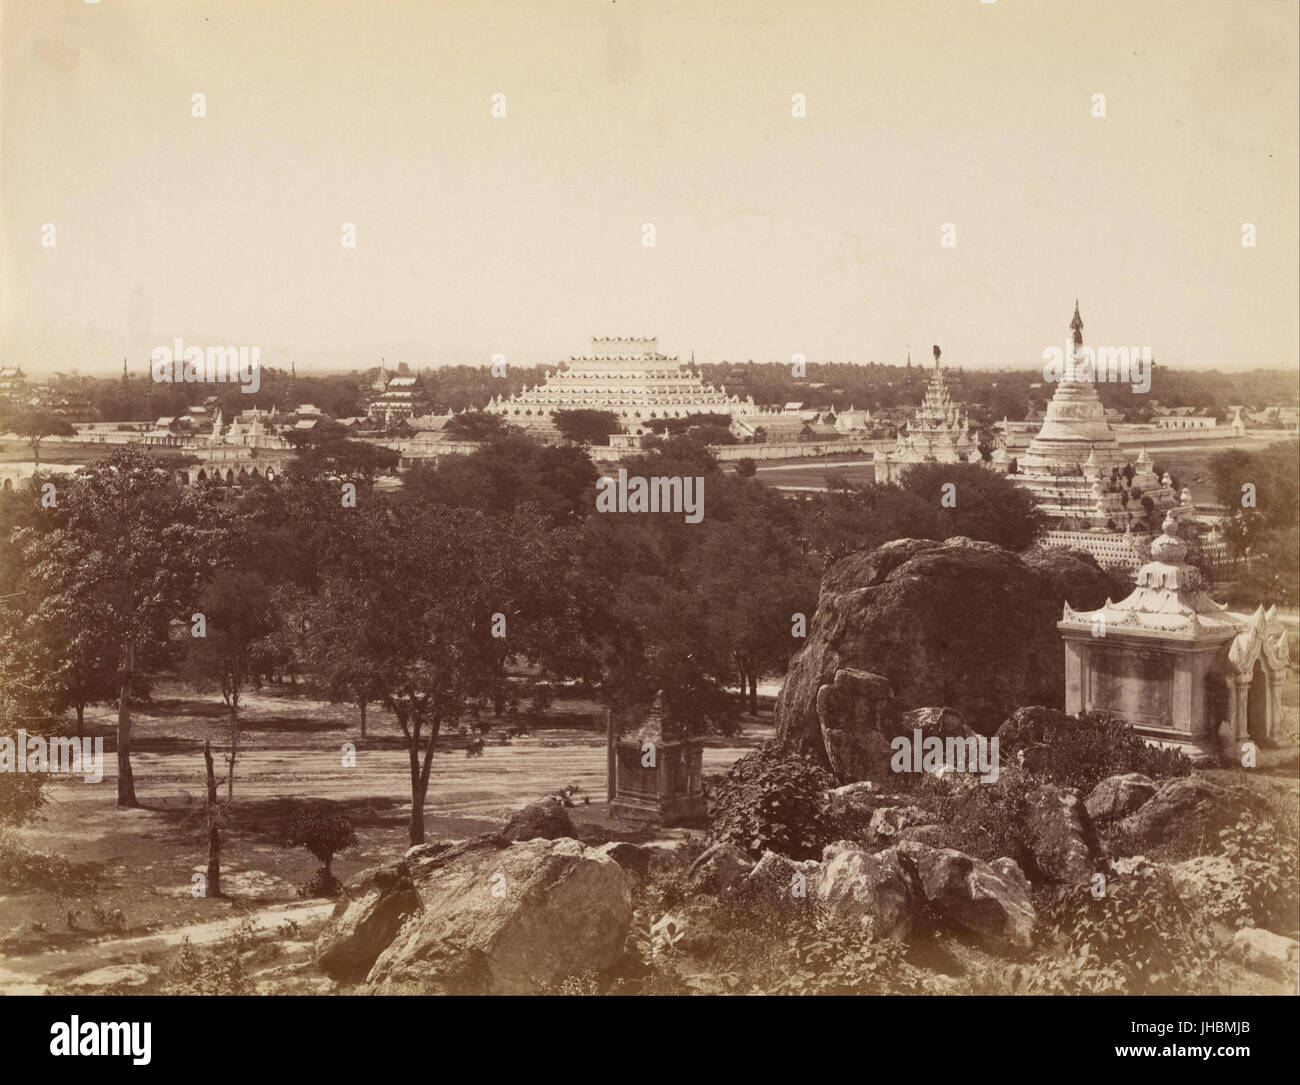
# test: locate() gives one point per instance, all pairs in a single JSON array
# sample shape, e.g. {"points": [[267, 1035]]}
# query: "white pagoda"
{"points": [[1075, 469]]}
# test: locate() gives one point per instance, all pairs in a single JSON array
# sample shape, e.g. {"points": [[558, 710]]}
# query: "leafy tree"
{"points": [[694, 607], [360, 462], [323, 834], [23, 705], [754, 580], [35, 426], [129, 547], [1270, 473], [423, 611], [586, 427], [509, 474], [477, 426], [236, 613], [988, 506], [86, 673]]}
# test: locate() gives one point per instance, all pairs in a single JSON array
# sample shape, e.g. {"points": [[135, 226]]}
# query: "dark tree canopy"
{"points": [[586, 427]]}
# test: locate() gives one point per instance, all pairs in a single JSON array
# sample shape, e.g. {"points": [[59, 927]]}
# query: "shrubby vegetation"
{"points": [[770, 800], [323, 834], [1081, 751], [1140, 938], [1268, 528], [220, 969], [1265, 865], [21, 868]]}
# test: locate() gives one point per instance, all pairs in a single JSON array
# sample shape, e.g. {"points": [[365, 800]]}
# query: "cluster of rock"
{"points": [[516, 911], [505, 913], [881, 893], [901, 875]]}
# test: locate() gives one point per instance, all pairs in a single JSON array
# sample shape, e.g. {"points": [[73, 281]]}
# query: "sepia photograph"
{"points": [[649, 498]]}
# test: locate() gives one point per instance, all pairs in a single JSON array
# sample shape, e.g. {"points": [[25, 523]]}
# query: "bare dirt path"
{"points": [[34, 974]]}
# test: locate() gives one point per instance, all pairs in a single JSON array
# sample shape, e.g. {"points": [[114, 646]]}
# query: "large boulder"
{"points": [[366, 918], [939, 722], [780, 881], [717, 869], [936, 835], [962, 624], [1175, 802], [1031, 725], [1211, 885], [849, 714], [870, 892], [1263, 951], [885, 893], [633, 858], [1054, 827], [889, 821], [861, 797], [992, 901], [545, 819], [1118, 796], [503, 918]]}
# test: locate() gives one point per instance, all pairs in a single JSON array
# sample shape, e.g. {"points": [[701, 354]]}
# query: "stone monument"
{"points": [[658, 773], [1174, 663]]}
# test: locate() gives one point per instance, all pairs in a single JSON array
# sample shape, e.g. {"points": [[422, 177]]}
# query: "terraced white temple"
{"points": [[628, 377]]}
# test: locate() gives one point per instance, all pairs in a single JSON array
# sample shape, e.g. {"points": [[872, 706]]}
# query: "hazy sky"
{"points": [[774, 234]]}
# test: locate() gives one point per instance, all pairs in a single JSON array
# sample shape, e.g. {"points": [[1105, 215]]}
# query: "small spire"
{"points": [[1076, 325]]}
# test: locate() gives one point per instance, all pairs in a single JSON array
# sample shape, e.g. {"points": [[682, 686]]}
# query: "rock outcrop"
{"points": [[1118, 796], [500, 918], [1263, 951], [849, 714], [889, 821], [717, 869], [781, 881], [989, 899], [872, 892], [1054, 827], [366, 918], [1174, 801], [958, 623], [886, 892], [545, 819], [633, 858]]}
